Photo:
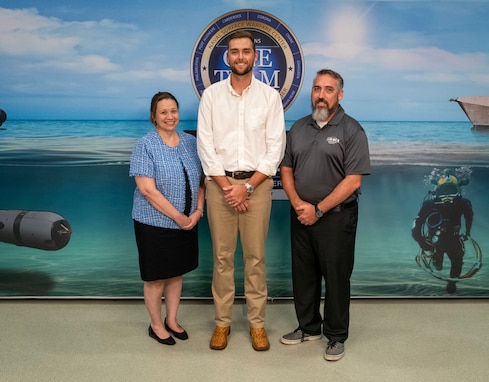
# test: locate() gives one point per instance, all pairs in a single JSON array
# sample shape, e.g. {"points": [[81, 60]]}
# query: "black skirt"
{"points": [[165, 253]]}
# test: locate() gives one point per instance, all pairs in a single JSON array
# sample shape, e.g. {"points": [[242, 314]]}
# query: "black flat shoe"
{"points": [[165, 341], [181, 336]]}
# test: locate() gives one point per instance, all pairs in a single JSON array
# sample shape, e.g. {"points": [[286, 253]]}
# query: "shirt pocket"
{"points": [[256, 118]]}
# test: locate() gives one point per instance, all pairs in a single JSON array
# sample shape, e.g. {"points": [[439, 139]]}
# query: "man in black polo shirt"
{"points": [[325, 158]]}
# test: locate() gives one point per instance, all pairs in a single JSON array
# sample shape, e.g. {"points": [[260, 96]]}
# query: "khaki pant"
{"points": [[225, 224]]}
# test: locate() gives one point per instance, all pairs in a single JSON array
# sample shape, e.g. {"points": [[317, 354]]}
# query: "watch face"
{"points": [[319, 213], [249, 188]]}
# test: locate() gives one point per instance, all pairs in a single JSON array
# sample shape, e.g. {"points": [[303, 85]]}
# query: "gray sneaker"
{"points": [[334, 351], [298, 336]]}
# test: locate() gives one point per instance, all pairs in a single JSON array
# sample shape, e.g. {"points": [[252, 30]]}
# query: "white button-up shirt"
{"points": [[240, 132]]}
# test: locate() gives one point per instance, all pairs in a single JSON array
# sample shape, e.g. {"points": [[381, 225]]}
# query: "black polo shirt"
{"points": [[322, 157]]}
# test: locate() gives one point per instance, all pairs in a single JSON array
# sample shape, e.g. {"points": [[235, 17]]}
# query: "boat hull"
{"points": [[476, 108]]}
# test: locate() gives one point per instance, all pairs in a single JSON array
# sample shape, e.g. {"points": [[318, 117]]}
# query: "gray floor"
{"points": [[104, 340]]}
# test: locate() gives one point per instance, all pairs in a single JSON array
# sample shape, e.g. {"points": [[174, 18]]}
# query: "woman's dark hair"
{"points": [[157, 98]]}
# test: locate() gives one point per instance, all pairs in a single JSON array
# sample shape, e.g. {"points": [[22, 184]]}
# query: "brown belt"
{"points": [[239, 174]]}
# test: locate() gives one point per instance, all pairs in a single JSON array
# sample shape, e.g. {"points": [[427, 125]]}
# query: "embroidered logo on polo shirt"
{"points": [[332, 140]]}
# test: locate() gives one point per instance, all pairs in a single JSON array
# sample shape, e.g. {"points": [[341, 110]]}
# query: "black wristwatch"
{"points": [[319, 213]]}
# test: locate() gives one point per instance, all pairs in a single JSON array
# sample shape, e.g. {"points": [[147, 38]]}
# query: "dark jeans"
{"points": [[324, 250]]}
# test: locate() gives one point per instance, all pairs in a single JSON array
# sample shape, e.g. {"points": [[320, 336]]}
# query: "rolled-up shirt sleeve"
{"points": [[211, 163], [275, 138]]}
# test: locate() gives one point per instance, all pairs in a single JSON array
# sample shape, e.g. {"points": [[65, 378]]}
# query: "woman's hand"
{"points": [[193, 219]]}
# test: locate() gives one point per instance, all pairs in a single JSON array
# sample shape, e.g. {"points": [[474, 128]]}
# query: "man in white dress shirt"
{"points": [[241, 141]]}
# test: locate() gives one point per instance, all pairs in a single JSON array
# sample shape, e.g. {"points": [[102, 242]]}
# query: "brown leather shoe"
{"points": [[219, 339], [259, 339]]}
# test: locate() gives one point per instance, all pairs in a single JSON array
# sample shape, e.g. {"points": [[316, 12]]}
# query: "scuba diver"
{"points": [[437, 226]]}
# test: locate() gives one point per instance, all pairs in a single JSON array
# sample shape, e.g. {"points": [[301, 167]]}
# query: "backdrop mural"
{"points": [[77, 79]]}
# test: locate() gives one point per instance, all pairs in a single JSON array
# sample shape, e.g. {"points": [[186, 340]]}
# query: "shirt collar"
{"points": [[230, 87]]}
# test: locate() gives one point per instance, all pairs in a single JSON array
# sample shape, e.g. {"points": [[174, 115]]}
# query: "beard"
{"points": [[246, 70], [320, 114]]}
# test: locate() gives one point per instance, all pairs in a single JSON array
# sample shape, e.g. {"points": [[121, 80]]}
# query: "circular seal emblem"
{"points": [[280, 61]]}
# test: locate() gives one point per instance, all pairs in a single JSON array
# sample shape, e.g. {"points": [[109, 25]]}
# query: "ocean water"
{"points": [[79, 170]]}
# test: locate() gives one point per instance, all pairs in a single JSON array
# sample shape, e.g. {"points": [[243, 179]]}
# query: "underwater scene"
{"points": [[73, 176]]}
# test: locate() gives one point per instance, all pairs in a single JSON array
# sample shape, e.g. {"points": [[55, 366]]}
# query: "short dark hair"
{"points": [[333, 74], [242, 34], [157, 98]]}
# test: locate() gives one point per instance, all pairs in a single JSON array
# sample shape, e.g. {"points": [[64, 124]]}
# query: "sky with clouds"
{"points": [[86, 59]]}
